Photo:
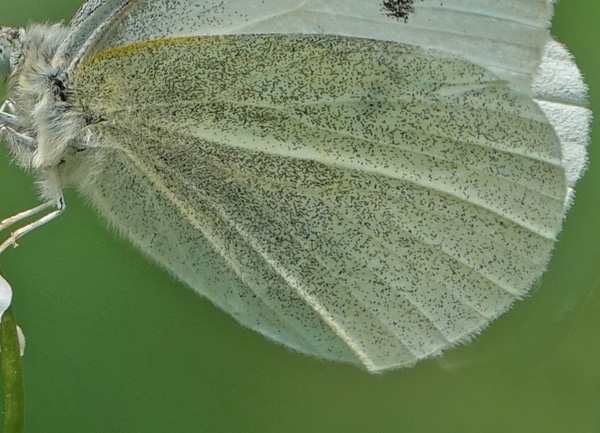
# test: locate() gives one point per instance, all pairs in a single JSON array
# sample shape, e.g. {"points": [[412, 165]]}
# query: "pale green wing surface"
{"points": [[356, 200], [509, 37], [505, 36]]}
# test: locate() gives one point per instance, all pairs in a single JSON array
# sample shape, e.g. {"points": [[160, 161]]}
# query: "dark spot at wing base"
{"points": [[399, 9]]}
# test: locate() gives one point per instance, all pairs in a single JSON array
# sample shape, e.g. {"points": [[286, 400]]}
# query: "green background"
{"points": [[116, 345]]}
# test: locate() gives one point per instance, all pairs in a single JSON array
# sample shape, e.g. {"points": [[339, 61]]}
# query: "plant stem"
{"points": [[12, 375]]}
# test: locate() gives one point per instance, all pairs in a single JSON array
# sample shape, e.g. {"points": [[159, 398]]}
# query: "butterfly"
{"points": [[369, 182]]}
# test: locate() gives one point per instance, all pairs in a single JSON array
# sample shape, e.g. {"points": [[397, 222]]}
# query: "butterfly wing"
{"points": [[362, 201], [510, 38], [506, 37], [558, 89]]}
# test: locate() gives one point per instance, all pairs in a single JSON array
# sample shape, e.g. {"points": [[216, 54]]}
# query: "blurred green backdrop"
{"points": [[116, 345]]}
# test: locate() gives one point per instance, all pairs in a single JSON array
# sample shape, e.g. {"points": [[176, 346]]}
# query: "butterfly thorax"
{"points": [[45, 129]]}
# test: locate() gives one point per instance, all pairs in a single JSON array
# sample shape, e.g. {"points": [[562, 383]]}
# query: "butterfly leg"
{"points": [[10, 126], [7, 119], [18, 138], [22, 231], [7, 106]]}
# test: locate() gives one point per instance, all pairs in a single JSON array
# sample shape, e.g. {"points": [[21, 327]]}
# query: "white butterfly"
{"points": [[364, 181]]}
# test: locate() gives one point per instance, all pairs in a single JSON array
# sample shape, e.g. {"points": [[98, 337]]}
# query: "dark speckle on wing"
{"points": [[400, 9]]}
